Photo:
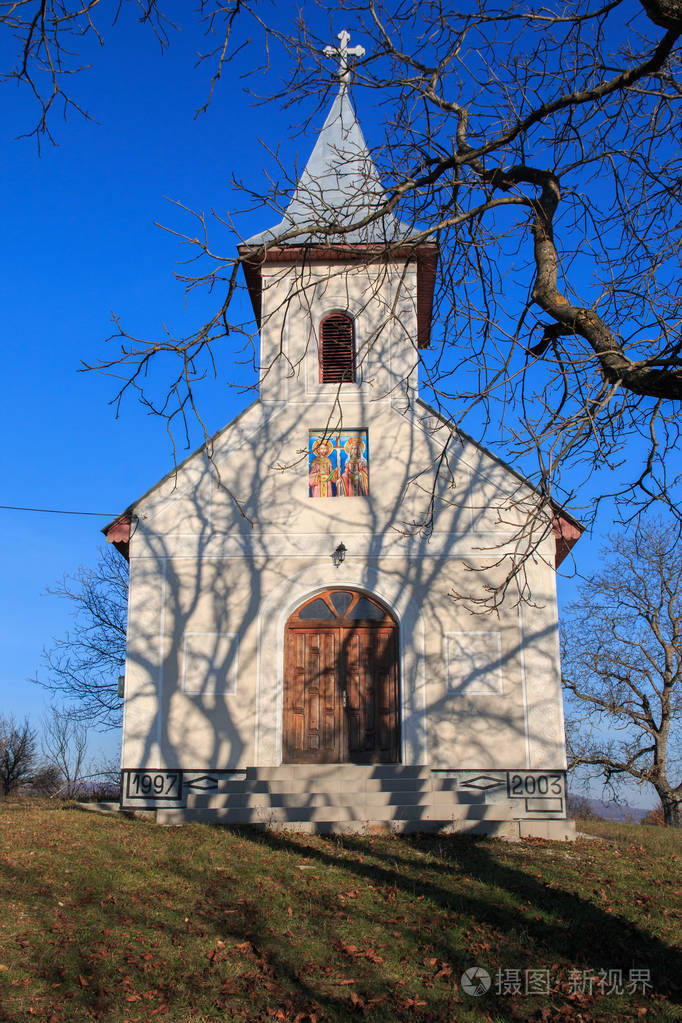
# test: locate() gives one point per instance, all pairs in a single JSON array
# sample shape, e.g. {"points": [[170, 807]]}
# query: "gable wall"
{"points": [[212, 587]]}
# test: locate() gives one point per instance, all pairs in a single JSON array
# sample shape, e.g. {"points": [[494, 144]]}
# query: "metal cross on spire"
{"points": [[343, 52]]}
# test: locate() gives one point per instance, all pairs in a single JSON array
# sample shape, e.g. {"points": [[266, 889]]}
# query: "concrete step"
{"points": [[293, 800], [249, 797], [357, 798], [321, 785], [272, 815], [355, 784], [318, 772], [345, 820]]}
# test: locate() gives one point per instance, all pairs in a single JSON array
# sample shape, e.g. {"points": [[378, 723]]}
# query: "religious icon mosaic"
{"points": [[338, 463]]}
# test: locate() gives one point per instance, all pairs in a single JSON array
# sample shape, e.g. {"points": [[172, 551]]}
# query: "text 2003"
{"points": [[535, 785]]}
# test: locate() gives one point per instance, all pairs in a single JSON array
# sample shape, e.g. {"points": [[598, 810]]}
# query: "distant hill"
{"points": [[613, 811]]}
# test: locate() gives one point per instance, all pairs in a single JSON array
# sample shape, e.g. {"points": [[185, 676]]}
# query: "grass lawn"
{"points": [[108, 918]]}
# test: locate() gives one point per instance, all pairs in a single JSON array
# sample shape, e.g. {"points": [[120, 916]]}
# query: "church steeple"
{"points": [[339, 192], [339, 188], [337, 214]]}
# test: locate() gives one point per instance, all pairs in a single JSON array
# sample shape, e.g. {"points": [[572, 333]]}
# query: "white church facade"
{"points": [[295, 654]]}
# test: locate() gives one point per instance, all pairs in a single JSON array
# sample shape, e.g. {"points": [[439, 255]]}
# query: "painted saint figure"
{"points": [[322, 474], [355, 477]]}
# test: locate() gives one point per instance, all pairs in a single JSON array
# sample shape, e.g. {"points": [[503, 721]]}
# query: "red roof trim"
{"points": [[119, 532], [334, 253], [425, 254], [426, 284], [566, 535]]}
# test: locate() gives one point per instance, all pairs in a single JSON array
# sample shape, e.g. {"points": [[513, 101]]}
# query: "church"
{"points": [[296, 654]]}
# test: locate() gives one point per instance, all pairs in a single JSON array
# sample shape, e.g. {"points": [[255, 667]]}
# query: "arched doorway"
{"points": [[341, 681]]}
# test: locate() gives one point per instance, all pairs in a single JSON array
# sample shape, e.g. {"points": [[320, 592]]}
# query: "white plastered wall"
{"points": [[382, 302], [511, 718], [219, 564]]}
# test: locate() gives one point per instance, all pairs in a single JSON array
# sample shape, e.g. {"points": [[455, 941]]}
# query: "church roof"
{"points": [[339, 187]]}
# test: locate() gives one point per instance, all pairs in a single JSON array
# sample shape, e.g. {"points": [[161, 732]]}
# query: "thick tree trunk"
{"points": [[672, 809]]}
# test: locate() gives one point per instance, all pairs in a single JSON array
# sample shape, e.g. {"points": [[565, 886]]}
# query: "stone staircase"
{"points": [[349, 798]]}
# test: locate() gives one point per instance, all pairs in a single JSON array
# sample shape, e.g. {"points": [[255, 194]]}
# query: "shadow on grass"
{"points": [[242, 925], [551, 926]]}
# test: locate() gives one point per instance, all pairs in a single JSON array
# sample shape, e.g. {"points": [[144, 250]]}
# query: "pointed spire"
{"points": [[340, 185]]}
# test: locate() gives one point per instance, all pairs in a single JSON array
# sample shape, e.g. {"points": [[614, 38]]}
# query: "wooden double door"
{"points": [[341, 681]]}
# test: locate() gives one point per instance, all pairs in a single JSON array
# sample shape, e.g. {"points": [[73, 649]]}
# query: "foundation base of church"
{"points": [[510, 831], [359, 799]]}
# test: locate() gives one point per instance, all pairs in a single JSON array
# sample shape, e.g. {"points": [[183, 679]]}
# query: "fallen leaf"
{"points": [[355, 1001], [413, 1003]]}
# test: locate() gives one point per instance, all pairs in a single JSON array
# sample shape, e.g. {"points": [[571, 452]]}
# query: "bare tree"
{"points": [[104, 779], [84, 666], [46, 782], [17, 754], [64, 742], [539, 147], [622, 666], [580, 808]]}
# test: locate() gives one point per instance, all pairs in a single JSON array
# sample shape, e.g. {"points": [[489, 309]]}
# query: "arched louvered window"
{"points": [[337, 349]]}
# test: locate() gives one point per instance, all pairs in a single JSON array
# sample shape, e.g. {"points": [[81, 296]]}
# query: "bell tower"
{"points": [[341, 289]]}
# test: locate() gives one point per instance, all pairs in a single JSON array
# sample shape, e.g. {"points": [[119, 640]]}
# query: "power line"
{"points": [[57, 511]]}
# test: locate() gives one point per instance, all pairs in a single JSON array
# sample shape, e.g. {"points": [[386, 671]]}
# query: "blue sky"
{"points": [[79, 243]]}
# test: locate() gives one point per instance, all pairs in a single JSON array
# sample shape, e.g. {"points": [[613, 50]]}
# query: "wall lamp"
{"points": [[339, 555]]}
